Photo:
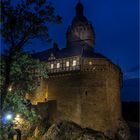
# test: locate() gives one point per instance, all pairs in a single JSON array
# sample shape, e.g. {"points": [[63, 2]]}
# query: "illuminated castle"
{"points": [[84, 85]]}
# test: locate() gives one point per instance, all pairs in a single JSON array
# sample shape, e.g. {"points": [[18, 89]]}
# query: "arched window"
{"points": [[67, 64], [52, 66], [74, 63], [90, 63], [58, 65]]}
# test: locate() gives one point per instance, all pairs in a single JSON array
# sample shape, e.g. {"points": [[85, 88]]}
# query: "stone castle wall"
{"points": [[90, 98], [81, 34], [41, 94]]}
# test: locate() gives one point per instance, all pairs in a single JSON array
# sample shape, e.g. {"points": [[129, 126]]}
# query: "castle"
{"points": [[83, 85]]}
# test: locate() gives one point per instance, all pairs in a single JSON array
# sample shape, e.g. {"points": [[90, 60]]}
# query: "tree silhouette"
{"points": [[20, 24]]}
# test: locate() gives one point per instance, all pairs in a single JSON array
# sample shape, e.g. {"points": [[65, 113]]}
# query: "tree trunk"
{"points": [[6, 84]]}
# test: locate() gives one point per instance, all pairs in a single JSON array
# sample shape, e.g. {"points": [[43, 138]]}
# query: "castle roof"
{"points": [[67, 52], [79, 17], [80, 39]]}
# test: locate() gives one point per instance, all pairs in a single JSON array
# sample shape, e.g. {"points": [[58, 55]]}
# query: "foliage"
{"points": [[25, 76], [26, 21], [2, 79], [20, 24], [25, 72], [20, 74]]}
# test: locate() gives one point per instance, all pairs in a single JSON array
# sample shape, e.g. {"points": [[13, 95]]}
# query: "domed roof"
{"points": [[79, 20], [80, 32], [79, 8]]}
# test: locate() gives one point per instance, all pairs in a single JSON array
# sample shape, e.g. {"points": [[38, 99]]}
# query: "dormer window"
{"points": [[58, 65], [74, 63], [52, 66], [52, 57], [67, 64]]}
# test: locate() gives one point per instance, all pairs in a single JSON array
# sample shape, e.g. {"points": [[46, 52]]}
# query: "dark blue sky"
{"points": [[116, 24]]}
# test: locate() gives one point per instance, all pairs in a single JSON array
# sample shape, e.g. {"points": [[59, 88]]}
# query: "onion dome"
{"points": [[81, 32]]}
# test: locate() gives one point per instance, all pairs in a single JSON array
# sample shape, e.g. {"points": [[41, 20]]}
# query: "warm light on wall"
{"points": [[17, 118], [10, 88], [46, 95]]}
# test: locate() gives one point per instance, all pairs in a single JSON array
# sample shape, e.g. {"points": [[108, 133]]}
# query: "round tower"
{"points": [[81, 32]]}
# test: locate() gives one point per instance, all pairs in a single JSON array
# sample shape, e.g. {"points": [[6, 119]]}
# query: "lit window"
{"points": [[58, 65], [10, 88], [67, 64], [52, 66], [74, 63], [90, 63]]}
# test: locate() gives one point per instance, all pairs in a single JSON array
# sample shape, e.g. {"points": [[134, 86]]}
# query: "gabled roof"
{"points": [[67, 52], [44, 55]]}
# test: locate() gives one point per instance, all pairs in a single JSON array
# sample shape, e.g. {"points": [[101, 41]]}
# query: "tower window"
{"points": [[74, 63], [86, 93], [58, 65], [52, 66], [67, 64], [90, 63]]}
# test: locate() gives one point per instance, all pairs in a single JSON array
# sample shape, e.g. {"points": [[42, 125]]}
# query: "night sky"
{"points": [[116, 25]]}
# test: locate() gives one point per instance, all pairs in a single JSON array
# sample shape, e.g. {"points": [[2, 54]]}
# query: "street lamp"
{"points": [[10, 88], [13, 133], [9, 116], [17, 118]]}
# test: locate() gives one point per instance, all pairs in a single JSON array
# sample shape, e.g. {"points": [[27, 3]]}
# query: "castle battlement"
{"points": [[78, 63]]}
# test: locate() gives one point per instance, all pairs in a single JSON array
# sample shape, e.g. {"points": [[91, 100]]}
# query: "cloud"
{"points": [[132, 72]]}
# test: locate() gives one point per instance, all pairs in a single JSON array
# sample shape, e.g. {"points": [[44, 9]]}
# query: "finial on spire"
{"points": [[79, 9]]}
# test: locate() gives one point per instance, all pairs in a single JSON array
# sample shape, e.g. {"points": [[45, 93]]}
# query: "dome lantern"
{"points": [[79, 9], [81, 32]]}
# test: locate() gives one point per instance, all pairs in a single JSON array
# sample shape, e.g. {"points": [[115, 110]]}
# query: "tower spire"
{"points": [[79, 9]]}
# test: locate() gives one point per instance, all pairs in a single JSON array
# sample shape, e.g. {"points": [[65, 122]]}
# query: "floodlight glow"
{"points": [[9, 117], [17, 115], [17, 118], [10, 88]]}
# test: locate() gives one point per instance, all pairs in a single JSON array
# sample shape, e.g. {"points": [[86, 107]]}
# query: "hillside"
{"points": [[130, 90]]}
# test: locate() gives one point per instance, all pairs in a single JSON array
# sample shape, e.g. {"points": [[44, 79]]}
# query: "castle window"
{"points": [[74, 63], [51, 57], [52, 66], [86, 93], [90, 63], [58, 65], [67, 64]]}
